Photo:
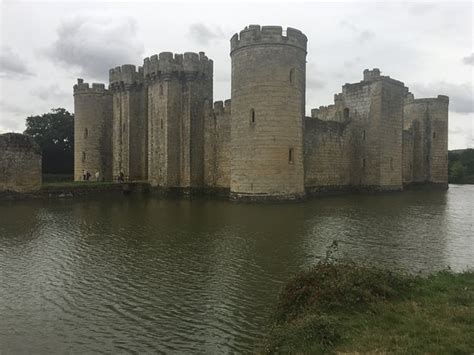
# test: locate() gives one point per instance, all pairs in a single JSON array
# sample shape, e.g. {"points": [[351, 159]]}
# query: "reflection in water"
{"points": [[141, 274]]}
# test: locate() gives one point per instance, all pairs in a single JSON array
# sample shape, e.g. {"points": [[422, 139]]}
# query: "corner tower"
{"points": [[92, 130], [268, 107]]}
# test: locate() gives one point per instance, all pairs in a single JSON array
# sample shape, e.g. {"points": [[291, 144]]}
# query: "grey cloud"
{"points": [[469, 60], [95, 44], [362, 34], [460, 95], [11, 65], [12, 117], [366, 35], [457, 130], [314, 77], [52, 93], [10, 108], [203, 34], [222, 76], [315, 84]]}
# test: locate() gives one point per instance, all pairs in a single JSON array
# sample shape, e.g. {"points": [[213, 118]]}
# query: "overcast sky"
{"points": [[46, 46]]}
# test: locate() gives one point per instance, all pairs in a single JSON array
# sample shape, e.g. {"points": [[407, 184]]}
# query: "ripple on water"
{"points": [[141, 275]]}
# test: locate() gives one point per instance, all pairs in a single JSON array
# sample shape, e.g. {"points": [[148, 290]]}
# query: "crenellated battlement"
{"points": [[440, 99], [221, 107], [83, 88], [190, 65], [371, 76], [254, 35], [124, 76]]}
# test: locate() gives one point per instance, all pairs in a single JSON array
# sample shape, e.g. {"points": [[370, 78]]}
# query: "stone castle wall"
{"points": [[20, 163], [327, 155], [178, 87], [358, 142], [92, 127], [268, 100], [129, 127], [157, 123], [426, 133], [217, 150]]}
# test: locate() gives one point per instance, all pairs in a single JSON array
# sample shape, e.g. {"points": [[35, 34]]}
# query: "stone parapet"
{"points": [[254, 35], [189, 65]]}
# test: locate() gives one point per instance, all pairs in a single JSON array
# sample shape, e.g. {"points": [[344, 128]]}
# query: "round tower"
{"points": [[92, 131], [268, 107]]}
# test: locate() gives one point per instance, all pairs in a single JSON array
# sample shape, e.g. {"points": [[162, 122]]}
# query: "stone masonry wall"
{"points": [[177, 89], [407, 152], [357, 142], [157, 123], [217, 146], [327, 155], [427, 119], [20, 163], [268, 100], [92, 127], [129, 132]]}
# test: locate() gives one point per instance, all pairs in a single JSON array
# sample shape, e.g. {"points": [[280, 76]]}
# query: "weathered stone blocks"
{"points": [[20, 163]]}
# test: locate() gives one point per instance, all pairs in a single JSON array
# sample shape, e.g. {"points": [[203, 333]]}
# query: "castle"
{"points": [[158, 124]]}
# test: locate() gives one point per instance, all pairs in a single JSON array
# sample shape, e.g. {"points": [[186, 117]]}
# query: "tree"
{"points": [[54, 132], [456, 172]]}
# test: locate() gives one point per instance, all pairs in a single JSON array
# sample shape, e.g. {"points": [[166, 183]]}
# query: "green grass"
{"points": [[347, 308], [52, 178]]}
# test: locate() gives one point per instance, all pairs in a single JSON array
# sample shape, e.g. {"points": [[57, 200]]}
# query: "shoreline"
{"points": [[70, 189]]}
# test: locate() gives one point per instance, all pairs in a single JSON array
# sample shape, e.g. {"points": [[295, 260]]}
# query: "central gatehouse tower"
{"points": [[268, 107]]}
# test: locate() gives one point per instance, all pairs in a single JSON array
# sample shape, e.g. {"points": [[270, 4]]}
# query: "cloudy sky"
{"points": [[45, 46]]}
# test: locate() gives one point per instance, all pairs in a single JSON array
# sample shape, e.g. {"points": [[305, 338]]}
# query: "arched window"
{"points": [[292, 75], [252, 115], [83, 157], [161, 123], [161, 89], [363, 163], [346, 113], [291, 156], [86, 133], [391, 163], [363, 135]]}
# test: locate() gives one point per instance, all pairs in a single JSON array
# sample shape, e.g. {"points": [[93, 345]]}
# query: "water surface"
{"points": [[138, 274]]}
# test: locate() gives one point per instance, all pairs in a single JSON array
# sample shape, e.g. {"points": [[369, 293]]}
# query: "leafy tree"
{"points": [[54, 132], [456, 171]]}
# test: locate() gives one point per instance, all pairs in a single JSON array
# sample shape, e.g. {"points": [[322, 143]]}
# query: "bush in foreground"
{"points": [[344, 307]]}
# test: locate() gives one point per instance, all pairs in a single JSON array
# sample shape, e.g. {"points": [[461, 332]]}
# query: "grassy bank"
{"points": [[338, 307]]}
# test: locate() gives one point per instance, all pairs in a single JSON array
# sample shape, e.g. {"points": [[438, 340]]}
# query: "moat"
{"points": [[140, 274]]}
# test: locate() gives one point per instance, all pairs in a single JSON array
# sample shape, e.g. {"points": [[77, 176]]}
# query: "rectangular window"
{"points": [[291, 156], [363, 163], [83, 157]]}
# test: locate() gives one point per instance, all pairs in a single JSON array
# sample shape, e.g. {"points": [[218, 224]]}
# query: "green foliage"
{"points": [[461, 167], [331, 285], [54, 133], [341, 307], [456, 171]]}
